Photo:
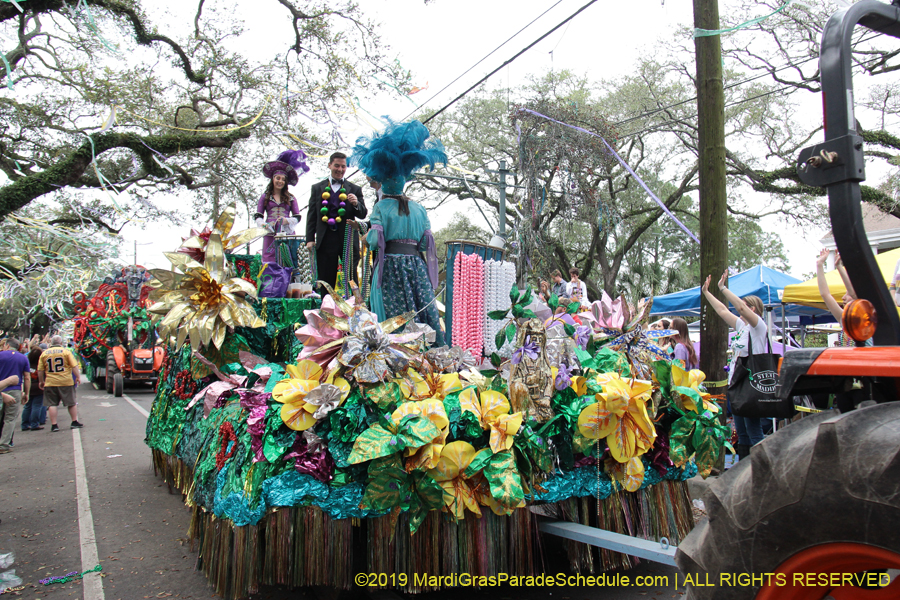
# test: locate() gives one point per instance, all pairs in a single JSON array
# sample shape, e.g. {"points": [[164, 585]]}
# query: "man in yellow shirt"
{"points": [[57, 373]]}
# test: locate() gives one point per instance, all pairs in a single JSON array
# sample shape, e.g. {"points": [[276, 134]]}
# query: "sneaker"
{"points": [[54, 428], [77, 425], [38, 428]]}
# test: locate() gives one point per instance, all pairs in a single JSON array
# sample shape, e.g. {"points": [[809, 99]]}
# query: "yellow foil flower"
{"points": [[492, 409], [692, 379], [418, 386], [425, 457], [620, 416], [202, 301], [306, 399], [449, 473]]}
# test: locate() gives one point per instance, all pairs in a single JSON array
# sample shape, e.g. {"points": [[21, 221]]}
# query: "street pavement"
{"points": [[75, 499]]}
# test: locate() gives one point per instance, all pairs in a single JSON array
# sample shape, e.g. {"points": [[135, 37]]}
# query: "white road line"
{"points": [[92, 583], [136, 406]]}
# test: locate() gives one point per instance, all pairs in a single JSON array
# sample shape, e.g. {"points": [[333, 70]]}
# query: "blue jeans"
{"points": [[34, 414], [749, 430]]}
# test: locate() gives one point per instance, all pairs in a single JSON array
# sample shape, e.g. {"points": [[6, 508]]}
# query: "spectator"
{"points": [[13, 364], [750, 326], [57, 373], [684, 347], [34, 414]]}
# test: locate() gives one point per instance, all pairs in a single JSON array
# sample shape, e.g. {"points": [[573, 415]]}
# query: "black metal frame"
{"points": [[838, 163]]}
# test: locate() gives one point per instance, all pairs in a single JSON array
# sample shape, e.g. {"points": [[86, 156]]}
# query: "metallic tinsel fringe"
{"points": [[302, 546]]}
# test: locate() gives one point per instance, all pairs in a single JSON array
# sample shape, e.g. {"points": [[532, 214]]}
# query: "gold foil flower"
{"points": [[492, 409], [419, 386], [195, 246], [620, 416], [202, 301]]}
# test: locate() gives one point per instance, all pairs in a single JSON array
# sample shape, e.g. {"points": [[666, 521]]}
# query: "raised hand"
{"points": [[723, 281], [823, 256]]}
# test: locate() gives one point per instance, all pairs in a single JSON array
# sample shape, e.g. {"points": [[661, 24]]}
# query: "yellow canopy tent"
{"points": [[807, 293]]}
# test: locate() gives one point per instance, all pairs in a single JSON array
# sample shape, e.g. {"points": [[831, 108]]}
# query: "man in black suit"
{"points": [[326, 221]]}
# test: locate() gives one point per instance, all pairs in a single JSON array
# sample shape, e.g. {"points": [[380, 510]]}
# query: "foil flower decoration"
{"points": [[408, 428], [421, 386], [691, 380], [630, 474], [211, 393], [318, 336], [371, 352], [451, 360], [195, 246], [202, 301], [493, 412], [306, 398], [426, 456], [582, 336], [563, 378], [700, 435], [528, 349], [620, 416], [452, 474]]}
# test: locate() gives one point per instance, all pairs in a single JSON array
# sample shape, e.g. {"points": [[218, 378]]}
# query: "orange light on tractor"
{"points": [[859, 320]]}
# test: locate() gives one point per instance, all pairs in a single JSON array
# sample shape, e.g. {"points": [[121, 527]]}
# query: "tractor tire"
{"points": [[820, 496], [111, 370], [118, 385]]}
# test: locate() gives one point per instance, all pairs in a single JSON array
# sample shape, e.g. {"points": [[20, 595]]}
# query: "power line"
{"points": [[732, 85], [520, 53], [483, 59]]}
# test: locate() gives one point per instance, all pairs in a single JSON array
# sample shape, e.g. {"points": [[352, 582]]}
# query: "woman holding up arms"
{"points": [[750, 326]]}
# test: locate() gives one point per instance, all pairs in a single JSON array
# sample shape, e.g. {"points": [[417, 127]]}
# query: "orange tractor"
{"points": [[814, 513], [114, 335]]}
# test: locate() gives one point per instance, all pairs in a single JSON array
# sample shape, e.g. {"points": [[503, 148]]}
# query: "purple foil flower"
{"points": [[312, 457], [255, 402], [563, 377], [530, 349], [582, 336]]}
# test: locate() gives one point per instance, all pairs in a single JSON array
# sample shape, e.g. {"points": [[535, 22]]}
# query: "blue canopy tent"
{"points": [[760, 281]]}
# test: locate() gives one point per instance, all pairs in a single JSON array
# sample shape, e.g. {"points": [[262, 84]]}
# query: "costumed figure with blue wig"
{"points": [[277, 209], [406, 267]]}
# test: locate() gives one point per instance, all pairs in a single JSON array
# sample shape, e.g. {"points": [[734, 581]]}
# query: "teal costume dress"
{"points": [[404, 280]]}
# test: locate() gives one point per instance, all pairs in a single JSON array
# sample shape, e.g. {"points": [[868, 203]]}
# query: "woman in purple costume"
{"points": [[277, 209]]}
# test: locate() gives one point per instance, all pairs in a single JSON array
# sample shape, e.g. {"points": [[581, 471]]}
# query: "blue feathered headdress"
{"points": [[291, 163], [393, 156]]}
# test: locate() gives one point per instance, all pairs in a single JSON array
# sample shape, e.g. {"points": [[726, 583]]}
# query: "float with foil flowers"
{"points": [[366, 433]]}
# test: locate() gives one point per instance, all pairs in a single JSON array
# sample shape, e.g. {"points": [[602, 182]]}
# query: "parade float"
{"points": [[113, 332], [313, 442]]}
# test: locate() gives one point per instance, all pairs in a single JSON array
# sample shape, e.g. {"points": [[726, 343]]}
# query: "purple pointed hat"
{"points": [[290, 163]]}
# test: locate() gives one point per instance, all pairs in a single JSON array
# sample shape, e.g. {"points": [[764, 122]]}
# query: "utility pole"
{"points": [[713, 200]]}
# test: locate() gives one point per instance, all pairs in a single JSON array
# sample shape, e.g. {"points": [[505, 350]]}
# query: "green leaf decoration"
{"points": [[526, 298], [573, 308], [375, 442], [569, 329], [529, 314], [517, 311], [553, 302], [389, 485], [495, 359], [504, 479], [500, 338], [479, 461], [511, 331], [418, 431], [663, 371], [498, 315], [513, 294], [386, 396]]}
